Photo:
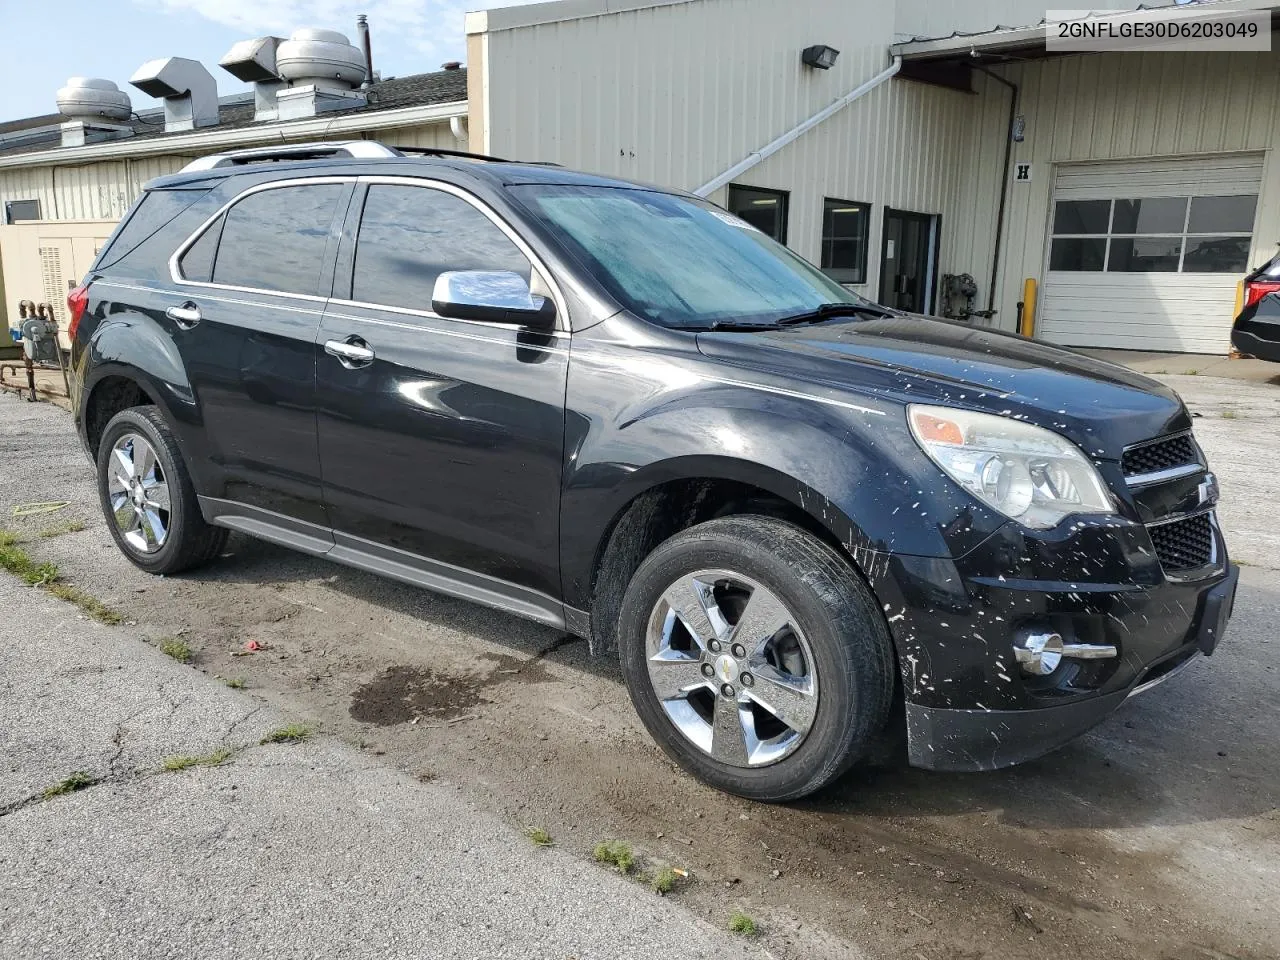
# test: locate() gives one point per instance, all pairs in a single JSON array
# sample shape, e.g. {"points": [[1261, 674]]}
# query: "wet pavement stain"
{"points": [[402, 693]]}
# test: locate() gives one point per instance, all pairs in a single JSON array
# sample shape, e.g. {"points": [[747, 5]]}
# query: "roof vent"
{"points": [[94, 110], [451, 65], [323, 68], [254, 61], [188, 90]]}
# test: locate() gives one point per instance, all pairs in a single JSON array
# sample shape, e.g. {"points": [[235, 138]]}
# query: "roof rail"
{"points": [[355, 149], [441, 152]]}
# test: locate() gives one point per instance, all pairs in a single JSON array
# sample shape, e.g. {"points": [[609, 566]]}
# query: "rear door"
{"points": [[442, 451], [246, 310]]}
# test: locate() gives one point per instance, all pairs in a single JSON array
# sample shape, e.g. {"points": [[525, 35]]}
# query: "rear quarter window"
{"points": [[149, 214]]}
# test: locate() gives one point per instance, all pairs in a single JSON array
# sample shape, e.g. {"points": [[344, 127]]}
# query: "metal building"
{"points": [[917, 150]]}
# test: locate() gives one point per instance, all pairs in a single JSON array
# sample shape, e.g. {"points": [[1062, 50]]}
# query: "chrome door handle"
{"points": [[185, 316], [352, 353]]}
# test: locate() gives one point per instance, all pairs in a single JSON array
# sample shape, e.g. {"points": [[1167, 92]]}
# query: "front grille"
{"points": [[1159, 455], [1183, 544]]}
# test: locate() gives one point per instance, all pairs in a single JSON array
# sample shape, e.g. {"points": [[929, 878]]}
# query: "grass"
{"points": [[235, 683], [86, 602], [1190, 373], [184, 761], [539, 837], [76, 780], [289, 733], [664, 881], [71, 526], [173, 647], [743, 924], [1228, 414], [616, 853]]}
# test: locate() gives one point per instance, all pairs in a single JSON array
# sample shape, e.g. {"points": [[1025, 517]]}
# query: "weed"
{"points": [[183, 761], [616, 853], [539, 836], [76, 780], [89, 604], [664, 881], [16, 560], [1228, 414], [1190, 373], [741, 923], [173, 647], [235, 683], [289, 733], [71, 526]]}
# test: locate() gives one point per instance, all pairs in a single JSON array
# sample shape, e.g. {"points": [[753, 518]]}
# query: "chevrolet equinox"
{"points": [[801, 520]]}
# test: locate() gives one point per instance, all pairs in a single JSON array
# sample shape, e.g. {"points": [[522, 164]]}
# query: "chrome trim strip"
{"points": [[430, 315], [1175, 517], [419, 328], [1162, 476], [1143, 687], [161, 291]]}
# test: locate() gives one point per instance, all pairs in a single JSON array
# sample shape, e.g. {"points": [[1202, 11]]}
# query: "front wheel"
{"points": [[756, 656]]}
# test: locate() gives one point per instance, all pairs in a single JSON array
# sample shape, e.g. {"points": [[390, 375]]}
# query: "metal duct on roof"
{"points": [[188, 90], [254, 61]]}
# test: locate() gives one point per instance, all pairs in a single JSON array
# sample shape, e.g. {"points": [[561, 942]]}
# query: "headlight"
{"points": [[1026, 472]]}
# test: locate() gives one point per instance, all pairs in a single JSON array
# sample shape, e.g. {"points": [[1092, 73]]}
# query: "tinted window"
{"points": [[1222, 214], [1216, 255], [766, 210], [1081, 216], [844, 240], [1084, 253], [152, 211], [197, 262], [275, 239], [1158, 215], [410, 235], [1145, 254], [18, 210]]}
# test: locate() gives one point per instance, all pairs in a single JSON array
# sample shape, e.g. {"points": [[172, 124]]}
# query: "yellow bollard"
{"points": [[1028, 326]]}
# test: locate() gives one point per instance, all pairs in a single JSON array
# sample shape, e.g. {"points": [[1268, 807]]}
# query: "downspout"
{"points": [[769, 149], [1004, 188]]}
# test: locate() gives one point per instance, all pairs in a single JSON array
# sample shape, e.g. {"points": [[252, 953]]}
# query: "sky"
{"points": [[112, 38]]}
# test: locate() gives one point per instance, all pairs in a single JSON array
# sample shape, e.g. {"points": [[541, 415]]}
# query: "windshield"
{"points": [[680, 262]]}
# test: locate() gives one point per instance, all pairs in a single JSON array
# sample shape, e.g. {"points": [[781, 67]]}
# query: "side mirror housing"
{"points": [[496, 296]]}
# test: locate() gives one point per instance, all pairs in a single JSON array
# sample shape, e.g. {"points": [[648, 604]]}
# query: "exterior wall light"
{"points": [[820, 56]]}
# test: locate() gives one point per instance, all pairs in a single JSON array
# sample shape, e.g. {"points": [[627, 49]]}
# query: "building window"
{"points": [[845, 227], [766, 210], [16, 210], [1153, 235]]}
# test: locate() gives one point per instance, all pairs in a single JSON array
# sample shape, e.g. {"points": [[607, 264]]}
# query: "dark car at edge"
{"points": [[802, 521]]}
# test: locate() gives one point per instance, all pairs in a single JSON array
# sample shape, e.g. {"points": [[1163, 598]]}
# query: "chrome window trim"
{"points": [[175, 274], [248, 303], [419, 328], [535, 261]]}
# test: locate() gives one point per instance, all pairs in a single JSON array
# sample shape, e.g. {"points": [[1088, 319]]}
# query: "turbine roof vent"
{"points": [[325, 58], [90, 99]]}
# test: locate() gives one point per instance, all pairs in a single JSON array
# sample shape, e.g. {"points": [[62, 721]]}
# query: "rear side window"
{"points": [[152, 211], [272, 240], [410, 235]]}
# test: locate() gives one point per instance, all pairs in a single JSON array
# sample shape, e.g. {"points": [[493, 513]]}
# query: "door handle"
{"points": [[185, 316], [352, 352]]}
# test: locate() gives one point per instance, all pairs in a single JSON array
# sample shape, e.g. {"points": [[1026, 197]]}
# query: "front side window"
{"points": [[274, 239], [410, 235], [845, 227], [766, 210], [677, 261], [1153, 235]]}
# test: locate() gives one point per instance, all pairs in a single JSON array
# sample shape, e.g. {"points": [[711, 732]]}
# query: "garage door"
{"points": [[1146, 255]]}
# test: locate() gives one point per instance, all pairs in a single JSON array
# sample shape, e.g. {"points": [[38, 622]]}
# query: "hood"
{"points": [[1100, 406]]}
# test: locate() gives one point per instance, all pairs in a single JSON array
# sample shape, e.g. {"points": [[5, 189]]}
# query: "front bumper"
{"points": [[969, 706]]}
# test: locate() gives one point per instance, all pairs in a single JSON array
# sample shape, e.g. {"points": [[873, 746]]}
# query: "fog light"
{"points": [[1038, 653]]}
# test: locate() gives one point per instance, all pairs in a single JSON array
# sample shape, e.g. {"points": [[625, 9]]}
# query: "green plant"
{"points": [[1228, 414], [16, 560], [71, 526], [89, 604], [743, 924], [173, 647], [664, 881], [539, 836], [1190, 373], [184, 761], [616, 853], [289, 733], [235, 683], [76, 780]]}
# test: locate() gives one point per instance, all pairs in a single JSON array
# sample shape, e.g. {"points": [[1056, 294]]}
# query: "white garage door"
{"points": [[1146, 255]]}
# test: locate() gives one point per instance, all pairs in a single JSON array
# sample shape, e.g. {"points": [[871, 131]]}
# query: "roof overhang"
{"points": [[212, 139]]}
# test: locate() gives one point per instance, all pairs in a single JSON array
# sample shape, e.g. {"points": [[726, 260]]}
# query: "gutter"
{"points": [[769, 149], [213, 139]]}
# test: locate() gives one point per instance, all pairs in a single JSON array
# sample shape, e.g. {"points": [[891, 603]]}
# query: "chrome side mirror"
{"points": [[497, 296]]}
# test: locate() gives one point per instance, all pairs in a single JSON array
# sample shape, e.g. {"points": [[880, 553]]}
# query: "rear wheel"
{"points": [[756, 656], [147, 496]]}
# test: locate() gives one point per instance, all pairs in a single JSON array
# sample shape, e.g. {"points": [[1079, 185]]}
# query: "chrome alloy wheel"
{"points": [[139, 493], [731, 668]]}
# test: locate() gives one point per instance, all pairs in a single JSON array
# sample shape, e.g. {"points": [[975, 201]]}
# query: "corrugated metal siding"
{"points": [[97, 191], [436, 135], [1119, 106]]}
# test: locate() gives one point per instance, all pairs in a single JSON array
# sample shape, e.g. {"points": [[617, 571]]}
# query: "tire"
{"points": [[827, 671], [187, 541]]}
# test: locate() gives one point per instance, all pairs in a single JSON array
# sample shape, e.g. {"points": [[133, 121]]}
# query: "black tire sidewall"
{"points": [[854, 666], [182, 501]]}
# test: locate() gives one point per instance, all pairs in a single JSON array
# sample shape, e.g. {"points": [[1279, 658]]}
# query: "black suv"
{"points": [[1256, 331], [800, 519]]}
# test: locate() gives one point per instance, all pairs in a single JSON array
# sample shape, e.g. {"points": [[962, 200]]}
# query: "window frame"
{"points": [[8, 210], [351, 234], [175, 271], [784, 207], [1184, 238], [865, 238]]}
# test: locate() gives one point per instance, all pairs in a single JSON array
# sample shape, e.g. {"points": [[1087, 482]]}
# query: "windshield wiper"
{"points": [[737, 326], [827, 311]]}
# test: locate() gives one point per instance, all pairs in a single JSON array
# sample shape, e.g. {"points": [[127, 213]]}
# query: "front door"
{"points": [[442, 446], [907, 259]]}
